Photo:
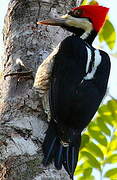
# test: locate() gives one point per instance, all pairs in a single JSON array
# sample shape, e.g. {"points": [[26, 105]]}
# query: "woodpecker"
{"points": [[75, 78]]}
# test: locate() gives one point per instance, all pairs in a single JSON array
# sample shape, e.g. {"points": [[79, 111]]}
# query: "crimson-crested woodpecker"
{"points": [[76, 75]]}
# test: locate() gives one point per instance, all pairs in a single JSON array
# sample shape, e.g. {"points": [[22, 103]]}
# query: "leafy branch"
{"points": [[99, 145]]}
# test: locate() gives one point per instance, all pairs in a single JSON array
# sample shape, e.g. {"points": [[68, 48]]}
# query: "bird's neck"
{"points": [[91, 37]]}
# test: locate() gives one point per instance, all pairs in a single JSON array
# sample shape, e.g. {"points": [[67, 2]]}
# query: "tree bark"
{"points": [[22, 119]]}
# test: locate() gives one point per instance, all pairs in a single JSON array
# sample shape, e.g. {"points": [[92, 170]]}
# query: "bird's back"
{"points": [[74, 100]]}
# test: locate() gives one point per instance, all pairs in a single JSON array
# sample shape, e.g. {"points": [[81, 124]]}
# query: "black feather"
{"points": [[49, 152], [74, 159], [70, 160], [66, 160], [58, 156], [49, 145]]}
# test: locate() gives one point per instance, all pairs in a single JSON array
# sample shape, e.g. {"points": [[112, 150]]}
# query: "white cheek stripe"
{"points": [[97, 61]]}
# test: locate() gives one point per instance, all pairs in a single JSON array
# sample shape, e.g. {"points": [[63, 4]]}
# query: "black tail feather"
{"points": [[70, 160], [66, 160], [54, 151], [73, 159], [58, 156], [49, 145], [49, 152]]}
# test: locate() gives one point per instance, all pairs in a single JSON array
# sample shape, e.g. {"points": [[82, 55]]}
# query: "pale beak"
{"points": [[54, 22], [70, 21]]}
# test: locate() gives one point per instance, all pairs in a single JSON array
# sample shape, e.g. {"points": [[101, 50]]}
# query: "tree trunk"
{"points": [[23, 121]]}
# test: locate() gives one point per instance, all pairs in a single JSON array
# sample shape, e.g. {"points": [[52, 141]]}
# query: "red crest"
{"points": [[97, 14]]}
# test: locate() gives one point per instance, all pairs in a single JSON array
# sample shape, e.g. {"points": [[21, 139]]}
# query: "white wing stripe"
{"points": [[89, 58], [97, 61]]}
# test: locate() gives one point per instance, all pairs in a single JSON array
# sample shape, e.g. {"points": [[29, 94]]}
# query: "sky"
{"points": [[112, 4]]}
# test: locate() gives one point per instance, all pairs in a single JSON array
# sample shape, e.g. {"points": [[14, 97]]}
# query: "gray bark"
{"points": [[22, 119]]}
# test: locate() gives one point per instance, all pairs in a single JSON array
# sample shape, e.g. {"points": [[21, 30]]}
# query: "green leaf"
{"points": [[104, 108], [109, 113], [108, 34], [112, 159], [87, 172], [93, 126], [112, 106], [81, 178], [97, 135], [93, 2], [113, 144], [106, 114], [95, 150], [102, 125], [112, 173], [85, 140], [80, 168], [84, 2], [91, 159], [100, 36], [84, 178]]}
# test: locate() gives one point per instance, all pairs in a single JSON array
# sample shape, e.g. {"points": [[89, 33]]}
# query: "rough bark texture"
{"points": [[22, 120]]}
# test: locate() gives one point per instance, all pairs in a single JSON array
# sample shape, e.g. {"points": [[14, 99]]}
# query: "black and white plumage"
{"points": [[75, 97], [76, 77]]}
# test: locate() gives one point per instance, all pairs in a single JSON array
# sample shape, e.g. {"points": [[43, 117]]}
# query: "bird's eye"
{"points": [[78, 12], [75, 13]]}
